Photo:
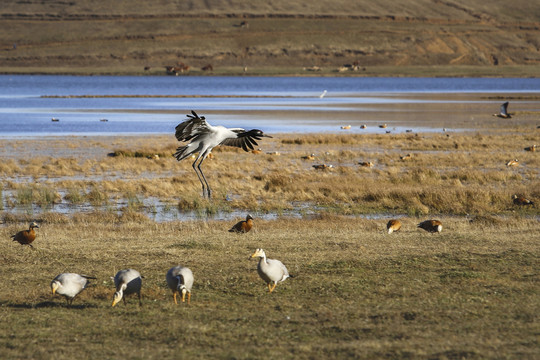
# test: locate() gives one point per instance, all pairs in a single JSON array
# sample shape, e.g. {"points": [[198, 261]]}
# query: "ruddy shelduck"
{"points": [[26, 237], [243, 226], [432, 226], [393, 225]]}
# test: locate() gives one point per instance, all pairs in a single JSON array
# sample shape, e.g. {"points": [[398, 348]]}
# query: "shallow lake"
{"points": [[108, 105]]}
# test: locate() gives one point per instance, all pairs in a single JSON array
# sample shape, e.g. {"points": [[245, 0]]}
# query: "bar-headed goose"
{"points": [[69, 285], [180, 280], [127, 282], [270, 270]]}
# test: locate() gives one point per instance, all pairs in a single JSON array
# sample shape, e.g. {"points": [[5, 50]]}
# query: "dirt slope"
{"points": [[281, 36]]}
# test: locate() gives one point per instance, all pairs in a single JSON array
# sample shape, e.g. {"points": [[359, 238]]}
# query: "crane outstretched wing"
{"points": [[245, 139], [190, 128]]}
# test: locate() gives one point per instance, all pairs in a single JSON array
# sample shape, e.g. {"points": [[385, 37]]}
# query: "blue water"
{"points": [[26, 111]]}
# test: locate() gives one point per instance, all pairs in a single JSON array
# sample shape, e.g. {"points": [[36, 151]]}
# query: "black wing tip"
{"points": [[194, 115]]}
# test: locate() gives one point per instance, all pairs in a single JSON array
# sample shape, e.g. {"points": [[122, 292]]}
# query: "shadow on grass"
{"points": [[46, 304]]}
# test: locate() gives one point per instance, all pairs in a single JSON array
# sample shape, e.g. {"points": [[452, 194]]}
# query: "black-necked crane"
{"points": [[393, 225], [432, 226], [203, 137], [504, 112]]}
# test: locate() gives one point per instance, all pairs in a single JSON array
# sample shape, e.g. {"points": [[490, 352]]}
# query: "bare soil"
{"points": [[417, 38]]}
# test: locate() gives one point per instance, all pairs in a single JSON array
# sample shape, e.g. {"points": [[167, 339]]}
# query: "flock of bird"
{"points": [[202, 138], [179, 278]]}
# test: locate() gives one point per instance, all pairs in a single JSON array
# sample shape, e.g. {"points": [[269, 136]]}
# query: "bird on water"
{"points": [[203, 137]]}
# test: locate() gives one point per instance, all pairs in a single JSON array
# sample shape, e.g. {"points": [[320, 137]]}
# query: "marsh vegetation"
{"points": [[468, 292]]}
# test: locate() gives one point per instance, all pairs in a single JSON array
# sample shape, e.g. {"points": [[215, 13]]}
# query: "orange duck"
{"points": [[26, 237], [243, 226]]}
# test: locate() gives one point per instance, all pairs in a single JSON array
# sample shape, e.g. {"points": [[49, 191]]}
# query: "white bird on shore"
{"points": [[323, 94], [203, 137], [69, 285], [180, 280], [127, 282]]}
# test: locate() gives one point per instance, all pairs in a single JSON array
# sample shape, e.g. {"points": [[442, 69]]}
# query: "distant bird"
{"points": [[323, 94], [243, 226], [531, 148], [503, 112], [322, 167], [127, 282], [103, 120], [431, 226], [521, 201], [270, 270], [55, 119], [275, 153], [366, 163], [408, 131], [180, 280], [514, 162], [405, 157], [383, 126], [69, 285], [257, 151], [308, 157], [346, 127], [393, 225], [203, 137], [363, 126], [26, 237]]}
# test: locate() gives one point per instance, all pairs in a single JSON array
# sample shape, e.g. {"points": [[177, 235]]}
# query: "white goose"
{"points": [[69, 285], [270, 270], [180, 280], [127, 282]]}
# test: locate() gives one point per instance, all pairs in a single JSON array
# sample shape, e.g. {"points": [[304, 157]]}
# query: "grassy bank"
{"points": [[469, 292]]}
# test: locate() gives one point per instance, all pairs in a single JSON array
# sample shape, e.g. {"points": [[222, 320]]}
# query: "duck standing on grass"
{"points": [[26, 237], [432, 226], [270, 270], [243, 226]]}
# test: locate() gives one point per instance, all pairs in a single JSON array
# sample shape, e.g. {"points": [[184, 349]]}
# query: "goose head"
{"points": [[55, 284], [258, 253]]}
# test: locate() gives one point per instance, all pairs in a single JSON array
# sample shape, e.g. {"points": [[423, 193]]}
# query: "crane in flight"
{"points": [[203, 137]]}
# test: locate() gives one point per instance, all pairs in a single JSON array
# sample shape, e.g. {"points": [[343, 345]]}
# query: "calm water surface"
{"points": [[273, 104]]}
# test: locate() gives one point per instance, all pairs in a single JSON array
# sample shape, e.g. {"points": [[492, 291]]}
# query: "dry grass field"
{"points": [[470, 292], [413, 38]]}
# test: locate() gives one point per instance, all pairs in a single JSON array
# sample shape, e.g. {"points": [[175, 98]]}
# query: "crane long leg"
{"points": [[207, 186], [199, 176]]}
